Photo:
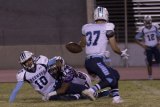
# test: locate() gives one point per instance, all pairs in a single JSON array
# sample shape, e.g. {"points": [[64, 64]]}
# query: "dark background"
{"points": [[41, 22]]}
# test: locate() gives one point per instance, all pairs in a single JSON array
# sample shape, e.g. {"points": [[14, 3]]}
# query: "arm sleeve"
{"points": [[139, 36], [15, 91], [52, 61]]}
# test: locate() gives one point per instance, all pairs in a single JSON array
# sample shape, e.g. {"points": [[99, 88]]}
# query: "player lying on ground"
{"points": [[69, 76], [35, 72]]}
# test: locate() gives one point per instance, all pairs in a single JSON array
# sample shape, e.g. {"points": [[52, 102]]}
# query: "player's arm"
{"points": [[67, 79], [114, 45], [138, 39], [82, 41], [56, 60], [111, 37], [62, 90], [15, 91], [51, 61]]}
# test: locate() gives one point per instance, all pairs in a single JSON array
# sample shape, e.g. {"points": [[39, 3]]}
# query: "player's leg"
{"points": [[156, 53], [108, 78], [149, 62], [74, 92], [66, 97]]}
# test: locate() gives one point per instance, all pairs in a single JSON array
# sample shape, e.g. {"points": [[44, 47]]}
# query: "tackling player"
{"points": [[69, 76], [95, 40]]}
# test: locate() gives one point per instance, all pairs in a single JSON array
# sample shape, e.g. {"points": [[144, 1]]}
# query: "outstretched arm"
{"points": [[114, 45], [116, 49], [138, 39], [15, 91], [58, 60], [82, 42]]}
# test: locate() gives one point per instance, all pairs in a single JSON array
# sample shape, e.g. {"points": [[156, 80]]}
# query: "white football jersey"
{"points": [[96, 38], [150, 35], [40, 80]]}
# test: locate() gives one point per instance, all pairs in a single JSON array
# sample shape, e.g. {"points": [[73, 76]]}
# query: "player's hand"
{"points": [[124, 54], [45, 98], [107, 54]]}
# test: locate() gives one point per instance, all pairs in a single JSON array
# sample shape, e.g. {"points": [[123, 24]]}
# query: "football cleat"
{"points": [[89, 94], [117, 99]]}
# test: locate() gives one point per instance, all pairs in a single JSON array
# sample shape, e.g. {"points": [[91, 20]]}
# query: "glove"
{"points": [[45, 98], [107, 54], [124, 54]]}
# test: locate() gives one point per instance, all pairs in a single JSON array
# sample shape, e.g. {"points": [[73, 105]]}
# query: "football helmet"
{"points": [[27, 60], [147, 21], [101, 13]]}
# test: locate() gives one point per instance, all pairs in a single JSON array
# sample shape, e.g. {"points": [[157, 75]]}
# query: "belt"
{"points": [[94, 56]]}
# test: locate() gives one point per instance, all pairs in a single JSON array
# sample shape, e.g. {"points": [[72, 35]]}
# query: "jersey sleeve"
{"points": [[83, 29], [53, 60], [42, 60], [15, 91], [157, 25], [110, 26], [140, 29], [20, 75], [139, 35]]}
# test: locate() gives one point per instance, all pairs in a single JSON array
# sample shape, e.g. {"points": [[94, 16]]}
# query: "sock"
{"points": [[96, 87], [115, 92]]}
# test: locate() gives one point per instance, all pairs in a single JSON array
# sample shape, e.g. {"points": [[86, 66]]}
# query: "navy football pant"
{"points": [[109, 76]]}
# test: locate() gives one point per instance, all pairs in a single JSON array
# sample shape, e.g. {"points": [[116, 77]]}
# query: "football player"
{"points": [[95, 38], [35, 72], [69, 78], [150, 34]]}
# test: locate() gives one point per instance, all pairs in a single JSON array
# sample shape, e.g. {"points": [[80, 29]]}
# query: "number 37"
{"points": [[92, 38]]}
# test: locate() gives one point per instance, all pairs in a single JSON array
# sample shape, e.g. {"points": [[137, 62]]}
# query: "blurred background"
{"points": [[45, 26]]}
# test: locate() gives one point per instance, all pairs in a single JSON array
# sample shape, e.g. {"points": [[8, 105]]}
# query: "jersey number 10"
{"points": [[41, 82]]}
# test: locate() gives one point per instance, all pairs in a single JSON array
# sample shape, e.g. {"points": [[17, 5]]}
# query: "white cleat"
{"points": [[89, 94], [117, 99]]}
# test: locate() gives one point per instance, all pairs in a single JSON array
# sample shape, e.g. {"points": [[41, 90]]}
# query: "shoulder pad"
{"points": [[42, 60], [140, 29], [156, 25], [84, 27], [20, 75], [110, 26]]}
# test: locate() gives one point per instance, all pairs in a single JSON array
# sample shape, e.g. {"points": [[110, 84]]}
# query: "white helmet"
{"points": [[101, 13], [24, 56], [147, 20]]}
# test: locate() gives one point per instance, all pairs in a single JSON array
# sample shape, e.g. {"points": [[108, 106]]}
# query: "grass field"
{"points": [[135, 94]]}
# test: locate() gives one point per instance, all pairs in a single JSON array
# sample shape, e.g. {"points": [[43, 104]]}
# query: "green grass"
{"points": [[134, 93]]}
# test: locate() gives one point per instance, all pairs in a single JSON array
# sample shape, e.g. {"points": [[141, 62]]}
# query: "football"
{"points": [[73, 47]]}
